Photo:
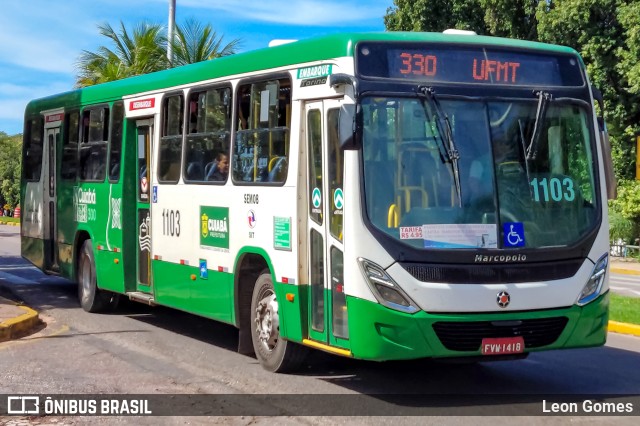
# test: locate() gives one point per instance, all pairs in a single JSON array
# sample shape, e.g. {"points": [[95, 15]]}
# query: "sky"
{"points": [[41, 40]]}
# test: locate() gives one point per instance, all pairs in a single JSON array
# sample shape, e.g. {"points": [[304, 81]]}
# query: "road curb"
{"points": [[13, 328], [9, 223], [626, 271], [624, 328]]}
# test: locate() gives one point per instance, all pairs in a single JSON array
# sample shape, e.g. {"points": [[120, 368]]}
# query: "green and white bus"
{"points": [[379, 196]]}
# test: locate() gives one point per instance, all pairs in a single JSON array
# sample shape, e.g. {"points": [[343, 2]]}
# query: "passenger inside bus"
{"points": [[219, 169]]}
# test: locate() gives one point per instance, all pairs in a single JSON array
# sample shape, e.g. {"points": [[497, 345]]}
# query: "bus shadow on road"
{"points": [[596, 373], [206, 330]]}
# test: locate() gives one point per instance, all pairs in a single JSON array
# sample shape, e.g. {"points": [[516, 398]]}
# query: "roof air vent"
{"points": [[459, 32], [278, 42]]}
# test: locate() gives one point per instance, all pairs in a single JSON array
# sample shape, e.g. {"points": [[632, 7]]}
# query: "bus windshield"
{"points": [[526, 179]]}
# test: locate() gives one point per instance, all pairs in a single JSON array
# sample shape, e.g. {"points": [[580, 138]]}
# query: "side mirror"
{"points": [[605, 145], [609, 175], [597, 96], [346, 130], [347, 118]]}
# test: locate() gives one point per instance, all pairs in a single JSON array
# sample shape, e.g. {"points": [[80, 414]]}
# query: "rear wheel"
{"points": [[274, 353], [92, 299]]}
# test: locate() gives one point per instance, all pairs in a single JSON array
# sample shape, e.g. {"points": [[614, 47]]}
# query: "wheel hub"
{"points": [[267, 321]]}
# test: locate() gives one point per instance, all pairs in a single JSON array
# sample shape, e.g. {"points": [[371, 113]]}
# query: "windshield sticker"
{"points": [[411, 232], [460, 235], [513, 234]]}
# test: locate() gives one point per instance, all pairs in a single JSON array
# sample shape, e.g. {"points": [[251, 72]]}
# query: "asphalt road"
{"points": [[143, 350], [625, 285]]}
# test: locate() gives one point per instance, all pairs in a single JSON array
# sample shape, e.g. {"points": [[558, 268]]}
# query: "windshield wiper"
{"points": [[543, 102], [446, 135]]}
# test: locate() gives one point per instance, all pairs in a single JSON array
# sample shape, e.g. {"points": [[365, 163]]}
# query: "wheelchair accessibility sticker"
{"points": [[513, 234]]}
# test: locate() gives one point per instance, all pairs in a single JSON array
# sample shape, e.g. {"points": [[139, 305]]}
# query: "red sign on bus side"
{"points": [[142, 104], [54, 117]]}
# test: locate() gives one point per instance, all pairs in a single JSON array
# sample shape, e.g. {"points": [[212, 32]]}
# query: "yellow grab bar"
{"points": [[392, 216]]}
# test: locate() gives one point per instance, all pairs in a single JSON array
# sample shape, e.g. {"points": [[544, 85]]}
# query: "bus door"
{"points": [[144, 137], [327, 303], [50, 228]]}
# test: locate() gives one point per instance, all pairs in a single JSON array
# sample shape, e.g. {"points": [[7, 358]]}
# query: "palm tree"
{"points": [[195, 42], [144, 50], [141, 52]]}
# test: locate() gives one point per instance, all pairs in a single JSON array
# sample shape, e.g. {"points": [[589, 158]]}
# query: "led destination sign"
{"points": [[451, 64]]}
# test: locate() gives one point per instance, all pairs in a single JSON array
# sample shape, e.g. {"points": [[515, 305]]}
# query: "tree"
{"points": [[629, 15], [513, 19], [10, 167], [143, 50], [435, 15], [195, 42], [605, 34], [505, 18]]}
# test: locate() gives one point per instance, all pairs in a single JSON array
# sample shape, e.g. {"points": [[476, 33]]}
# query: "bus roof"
{"points": [[303, 51]]}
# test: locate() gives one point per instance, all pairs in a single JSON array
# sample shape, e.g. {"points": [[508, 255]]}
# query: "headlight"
{"points": [[385, 289], [593, 287]]}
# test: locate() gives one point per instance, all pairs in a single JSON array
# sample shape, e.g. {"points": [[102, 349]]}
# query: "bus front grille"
{"points": [[492, 274], [467, 336]]}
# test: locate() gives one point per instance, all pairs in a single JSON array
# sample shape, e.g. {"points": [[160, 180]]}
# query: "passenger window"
{"points": [[314, 152], [262, 139], [207, 146], [170, 155], [93, 147], [335, 161], [115, 141], [69, 164], [32, 162]]}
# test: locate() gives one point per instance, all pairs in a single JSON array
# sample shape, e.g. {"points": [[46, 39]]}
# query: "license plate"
{"points": [[502, 345]]}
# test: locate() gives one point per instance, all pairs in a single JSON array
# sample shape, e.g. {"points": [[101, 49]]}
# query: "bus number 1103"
{"points": [[558, 189], [171, 222]]}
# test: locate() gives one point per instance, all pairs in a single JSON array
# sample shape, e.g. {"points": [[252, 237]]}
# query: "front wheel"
{"points": [[92, 299], [274, 353]]}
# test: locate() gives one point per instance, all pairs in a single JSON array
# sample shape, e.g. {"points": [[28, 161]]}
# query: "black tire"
{"points": [[92, 299], [274, 353]]}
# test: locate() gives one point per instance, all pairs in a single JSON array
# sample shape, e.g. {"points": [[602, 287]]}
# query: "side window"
{"points": [[69, 164], [93, 147], [170, 154], [314, 134], [335, 161], [32, 161], [207, 144], [262, 138], [115, 141]]}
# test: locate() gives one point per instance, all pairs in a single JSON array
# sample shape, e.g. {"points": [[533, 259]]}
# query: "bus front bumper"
{"points": [[379, 333]]}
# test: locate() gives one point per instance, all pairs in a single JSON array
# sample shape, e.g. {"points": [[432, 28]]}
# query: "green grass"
{"points": [[624, 309], [9, 219]]}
